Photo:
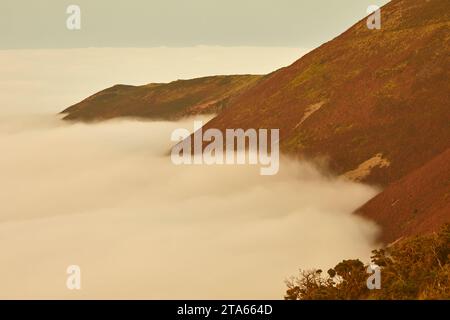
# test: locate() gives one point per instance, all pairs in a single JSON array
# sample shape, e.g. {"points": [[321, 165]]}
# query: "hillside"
{"points": [[170, 101], [415, 204], [375, 103]]}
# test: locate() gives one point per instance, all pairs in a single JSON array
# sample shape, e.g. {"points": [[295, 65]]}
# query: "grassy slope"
{"points": [[416, 204], [382, 91], [162, 101], [373, 91]]}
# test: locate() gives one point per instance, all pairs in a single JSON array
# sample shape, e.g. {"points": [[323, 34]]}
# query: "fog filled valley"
{"points": [[106, 196]]}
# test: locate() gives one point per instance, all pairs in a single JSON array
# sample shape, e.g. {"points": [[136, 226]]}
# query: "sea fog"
{"points": [[106, 196]]}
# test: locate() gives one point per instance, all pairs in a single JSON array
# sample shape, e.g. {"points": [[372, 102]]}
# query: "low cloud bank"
{"points": [[107, 197]]}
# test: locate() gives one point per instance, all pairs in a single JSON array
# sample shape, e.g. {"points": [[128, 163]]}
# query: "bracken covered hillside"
{"points": [[415, 204], [376, 103], [169, 101]]}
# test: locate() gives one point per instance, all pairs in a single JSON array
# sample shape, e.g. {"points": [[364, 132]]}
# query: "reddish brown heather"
{"points": [[375, 103], [367, 93], [373, 91], [162, 101], [418, 203]]}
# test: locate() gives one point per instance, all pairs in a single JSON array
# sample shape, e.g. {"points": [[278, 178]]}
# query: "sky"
{"points": [[177, 23]]}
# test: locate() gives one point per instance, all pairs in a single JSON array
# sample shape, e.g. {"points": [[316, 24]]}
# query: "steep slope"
{"points": [[418, 203], [162, 101], [375, 103]]}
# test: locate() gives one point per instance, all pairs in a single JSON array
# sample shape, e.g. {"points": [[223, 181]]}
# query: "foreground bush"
{"points": [[412, 268]]}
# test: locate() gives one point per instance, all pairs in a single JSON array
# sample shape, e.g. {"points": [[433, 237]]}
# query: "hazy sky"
{"points": [[149, 23], [47, 80]]}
